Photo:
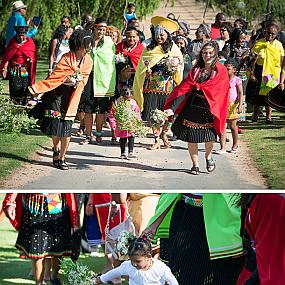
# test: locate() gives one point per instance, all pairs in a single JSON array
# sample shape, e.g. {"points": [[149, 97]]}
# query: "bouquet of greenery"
{"points": [[74, 79], [77, 274], [120, 58], [127, 119], [123, 244], [157, 118]]}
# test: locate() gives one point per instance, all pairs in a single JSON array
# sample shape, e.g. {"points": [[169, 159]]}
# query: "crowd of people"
{"points": [[202, 84], [177, 238]]}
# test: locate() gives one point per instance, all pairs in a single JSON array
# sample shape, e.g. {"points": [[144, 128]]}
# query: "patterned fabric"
{"points": [[54, 114], [193, 200], [45, 226]]}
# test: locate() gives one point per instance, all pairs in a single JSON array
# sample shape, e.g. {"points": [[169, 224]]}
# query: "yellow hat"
{"points": [[168, 24]]}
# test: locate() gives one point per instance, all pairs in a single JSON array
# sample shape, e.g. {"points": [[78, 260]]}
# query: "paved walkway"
{"points": [[99, 167]]}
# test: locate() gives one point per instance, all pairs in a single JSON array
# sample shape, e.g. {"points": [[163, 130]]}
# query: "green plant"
{"points": [[14, 119], [77, 273], [127, 119]]}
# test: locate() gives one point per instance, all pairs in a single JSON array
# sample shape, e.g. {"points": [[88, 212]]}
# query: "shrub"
{"points": [[13, 118]]}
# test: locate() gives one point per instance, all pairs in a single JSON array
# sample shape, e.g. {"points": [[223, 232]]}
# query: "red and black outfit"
{"points": [[44, 222], [203, 111], [265, 224], [22, 58]]}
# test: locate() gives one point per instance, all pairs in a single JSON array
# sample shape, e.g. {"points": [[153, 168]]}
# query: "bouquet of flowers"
{"points": [[172, 64], [74, 79], [127, 119], [120, 58], [123, 244], [77, 273], [158, 118]]}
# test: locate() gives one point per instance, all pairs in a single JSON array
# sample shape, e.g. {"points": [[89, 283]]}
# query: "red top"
{"points": [[134, 53], [101, 202], [215, 32], [265, 224], [22, 53], [216, 91]]}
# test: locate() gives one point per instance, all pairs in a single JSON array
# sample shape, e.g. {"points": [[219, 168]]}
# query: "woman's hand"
{"points": [[150, 231], [281, 86], [89, 209], [98, 280], [10, 212], [252, 77], [4, 73], [239, 109]]}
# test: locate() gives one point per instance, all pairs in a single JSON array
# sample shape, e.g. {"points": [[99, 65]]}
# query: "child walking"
{"points": [[235, 106], [125, 135], [141, 269]]}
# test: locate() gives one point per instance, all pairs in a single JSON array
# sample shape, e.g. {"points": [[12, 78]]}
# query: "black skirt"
{"points": [[42, 233], [56, 104], [195, 123], [18, 89], [253, 89], [152, 101], [189, 258]]}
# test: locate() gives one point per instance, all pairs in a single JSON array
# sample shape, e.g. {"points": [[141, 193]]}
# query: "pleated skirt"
{"points": [[195, 123], [189, 258]]}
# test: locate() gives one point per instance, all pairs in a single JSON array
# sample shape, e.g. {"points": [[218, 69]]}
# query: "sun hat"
{"points": [[17, 5], [165, 23]]}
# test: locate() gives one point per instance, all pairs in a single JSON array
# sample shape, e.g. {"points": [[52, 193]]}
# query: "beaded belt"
{"points": [[196, 201]]}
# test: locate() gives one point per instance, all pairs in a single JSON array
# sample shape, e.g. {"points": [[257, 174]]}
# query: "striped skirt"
{"points": [[189, 255], [195, 123]]}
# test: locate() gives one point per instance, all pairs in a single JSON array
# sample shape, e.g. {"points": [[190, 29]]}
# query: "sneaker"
{"points": [[131, 155], [123, 156]]}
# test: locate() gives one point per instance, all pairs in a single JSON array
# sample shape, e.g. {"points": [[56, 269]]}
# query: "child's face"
{"points": [[180, 43], [231, 69], [131, 9], [141, 262]]}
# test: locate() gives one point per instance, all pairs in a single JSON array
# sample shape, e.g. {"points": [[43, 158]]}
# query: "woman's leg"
{"points": [[38, 265], [55, 142], [64, 146], [209, 147], [193, 151], [164, 137], [99, 126], [156, 132], [223, 140], [268, 114], [88, 122], [47, 270], [82, 124], [55, 265], [255, 113], [56, 150], [234, 130]]}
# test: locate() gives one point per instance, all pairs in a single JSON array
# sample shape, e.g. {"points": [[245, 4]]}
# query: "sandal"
{"points": [[62, 165], [154, 146], [210, 164], [195, 170], [55, 157], [98, 137]]}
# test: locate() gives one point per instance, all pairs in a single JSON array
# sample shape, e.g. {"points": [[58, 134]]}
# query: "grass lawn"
{"points": [[267, 144], [14, 270], [16, 149]]}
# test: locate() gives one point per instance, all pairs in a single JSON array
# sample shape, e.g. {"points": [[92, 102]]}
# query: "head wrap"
{"points": [[206, 30], [185, 27], [21, 29], [182, 38]]}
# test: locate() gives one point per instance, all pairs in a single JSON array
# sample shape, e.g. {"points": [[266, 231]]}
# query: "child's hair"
{"points": [[232, 61], [140, 246], [131, 5]]}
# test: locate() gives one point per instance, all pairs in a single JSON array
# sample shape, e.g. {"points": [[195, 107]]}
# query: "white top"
{"points": [[62, 49], [158, 274]]}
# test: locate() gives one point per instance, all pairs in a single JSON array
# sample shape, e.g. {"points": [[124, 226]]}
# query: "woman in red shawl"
{"points": [[44, 222], [19, 65], [265, 224], [202, 113], [131, 48]]}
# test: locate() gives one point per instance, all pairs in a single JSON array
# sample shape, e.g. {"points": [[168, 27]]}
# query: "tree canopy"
{"points": [[51, 12]]}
